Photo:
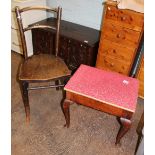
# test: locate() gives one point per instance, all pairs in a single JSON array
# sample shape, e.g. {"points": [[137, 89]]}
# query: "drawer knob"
{"points": [[123, 67], [105, 61], [16, 44], [123, 18], [120, 36], [14, 28], [114, 51], [112, 64], [109, 8]]}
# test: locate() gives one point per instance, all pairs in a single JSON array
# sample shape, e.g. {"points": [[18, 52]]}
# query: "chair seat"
{"points": [[107, 87], [43, 67]]}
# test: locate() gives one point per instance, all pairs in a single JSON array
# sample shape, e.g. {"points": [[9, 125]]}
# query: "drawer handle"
{"points": [[123, 67], [112, 65], [123, 18], [13, 28], [16, 44], [109, 8], [114, 51], [105, 61], [120, 36]]}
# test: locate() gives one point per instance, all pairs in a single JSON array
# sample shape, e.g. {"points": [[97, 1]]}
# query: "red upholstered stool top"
{"points": [[109, 87]]}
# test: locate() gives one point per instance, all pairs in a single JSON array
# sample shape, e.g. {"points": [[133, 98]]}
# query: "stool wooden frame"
{"points": [[123, 114]]}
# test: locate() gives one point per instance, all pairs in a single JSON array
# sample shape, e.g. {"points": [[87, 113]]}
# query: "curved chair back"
{"points": [[22, 29]]}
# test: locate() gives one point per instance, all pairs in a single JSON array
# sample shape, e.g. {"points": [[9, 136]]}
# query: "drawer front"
{"points": [[115, 50], [15, 47], [121, 35], [126, 18], [15, 37], [111, 64], [14, 24], [15, 41]]}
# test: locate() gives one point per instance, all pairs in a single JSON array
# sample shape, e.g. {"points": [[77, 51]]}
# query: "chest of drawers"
{"points": [[78, 44], [121, 33]]}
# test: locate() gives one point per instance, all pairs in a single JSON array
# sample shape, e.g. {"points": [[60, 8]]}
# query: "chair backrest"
{"points": [[22, 29]]}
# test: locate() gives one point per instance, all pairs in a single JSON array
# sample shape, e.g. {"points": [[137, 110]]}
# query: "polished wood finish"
{"points": [[125, 126], [121, 33], [124, 17], [40, 67], [124, 115], [105, 91], [35, 26], [24, 88], [43, 67], [78, 44], [140, 77]]}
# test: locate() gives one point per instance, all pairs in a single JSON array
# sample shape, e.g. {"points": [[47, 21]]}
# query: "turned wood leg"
{"points": [[125, 126], [26, 100], [66, 105]]}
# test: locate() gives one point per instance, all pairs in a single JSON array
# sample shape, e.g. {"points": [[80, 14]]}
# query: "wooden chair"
{"points": [[40, 67], [109, 92]]}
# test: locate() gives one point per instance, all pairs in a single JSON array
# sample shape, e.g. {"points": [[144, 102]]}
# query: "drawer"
{"points": [[14, 24], [111, 64], [15, 37], [126, 18], [15, 42], [108, 48], [125, 37], [15, 47]]}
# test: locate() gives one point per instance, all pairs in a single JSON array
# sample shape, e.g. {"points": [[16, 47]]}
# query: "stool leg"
{"points": [[125, 126], [65, 106], [26, 100]]}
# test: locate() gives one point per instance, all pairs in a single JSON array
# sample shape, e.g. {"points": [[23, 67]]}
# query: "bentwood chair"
{"points": [[41, 67]]}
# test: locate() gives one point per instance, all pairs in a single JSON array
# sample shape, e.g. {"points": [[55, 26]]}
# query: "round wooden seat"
{"points": [[43, 67]]}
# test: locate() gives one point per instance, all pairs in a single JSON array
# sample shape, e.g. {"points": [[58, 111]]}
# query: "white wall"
{"points": [[83, 12]]}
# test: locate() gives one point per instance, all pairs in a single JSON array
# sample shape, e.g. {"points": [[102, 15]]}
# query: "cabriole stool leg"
{"points": [[125, 126], [66, 105]]}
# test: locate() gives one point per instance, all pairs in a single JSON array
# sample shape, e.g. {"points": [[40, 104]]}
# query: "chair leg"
{"points": [[65, 107], [57, 83], [125, 126], [26, 100]]}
